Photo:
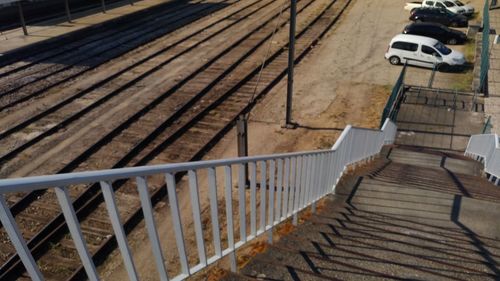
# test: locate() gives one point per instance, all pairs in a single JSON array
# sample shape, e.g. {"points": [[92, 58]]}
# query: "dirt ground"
{"points": [[344, 80]]}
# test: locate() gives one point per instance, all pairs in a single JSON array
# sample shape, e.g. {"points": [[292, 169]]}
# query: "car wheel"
{"points": [[394, 60], [452, 41], [443, 67]]}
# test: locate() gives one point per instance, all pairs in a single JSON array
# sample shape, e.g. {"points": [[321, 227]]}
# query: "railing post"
{"points": [[286, 188], [121, 237], [263, 187], [147, 210], [279, 187], [303, 178], [177, 224], [242, 201], [10, 226], [253, 198], [76, 233], [229, 216], [271, 201], [295, 202], [293, 172], [195, 208], [212, 186], [314, 183], [431, 79]]}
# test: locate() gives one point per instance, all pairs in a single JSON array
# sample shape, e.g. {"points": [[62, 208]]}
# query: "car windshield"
{"points": [[459, 3], [449, 4], [442, 48]]}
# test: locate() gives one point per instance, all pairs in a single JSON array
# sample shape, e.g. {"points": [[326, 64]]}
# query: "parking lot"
{"points": [[348, 74]]}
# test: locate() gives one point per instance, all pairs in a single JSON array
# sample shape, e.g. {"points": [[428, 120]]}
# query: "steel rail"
{"points": [[109, 35], [153, 32], [113, 26], [13, 152]]}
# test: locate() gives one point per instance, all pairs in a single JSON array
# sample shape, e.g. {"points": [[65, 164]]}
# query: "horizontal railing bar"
{"points": [[366, 129], [40, 182]]}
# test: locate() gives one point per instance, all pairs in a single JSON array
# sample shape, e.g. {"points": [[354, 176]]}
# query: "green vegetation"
{"points": [[470, 50], [464, 83]]}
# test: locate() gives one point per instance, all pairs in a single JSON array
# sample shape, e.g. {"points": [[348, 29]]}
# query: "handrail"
{"points": [[390, 109], [486, 148], [485, 50], [433, 74], [296, 180], [487, 126]]}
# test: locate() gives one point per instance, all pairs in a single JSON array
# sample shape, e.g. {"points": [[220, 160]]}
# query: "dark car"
{"points": [[436, 31], [441, 16]]}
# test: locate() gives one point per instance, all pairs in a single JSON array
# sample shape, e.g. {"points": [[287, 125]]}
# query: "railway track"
{"points": [[196, 112], [38, 78], [120, 84], [22, 60]]}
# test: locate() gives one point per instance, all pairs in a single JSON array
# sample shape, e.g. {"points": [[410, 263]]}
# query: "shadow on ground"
{"points": [[415, 216]]}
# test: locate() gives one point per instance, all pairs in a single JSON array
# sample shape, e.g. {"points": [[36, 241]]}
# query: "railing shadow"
{"points": [[358, 240]]}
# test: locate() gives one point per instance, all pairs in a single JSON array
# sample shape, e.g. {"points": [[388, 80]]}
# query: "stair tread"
{"points": [[412, 216]]}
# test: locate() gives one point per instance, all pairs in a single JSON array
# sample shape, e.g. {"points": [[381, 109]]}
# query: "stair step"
{"points": [[420, 214]]}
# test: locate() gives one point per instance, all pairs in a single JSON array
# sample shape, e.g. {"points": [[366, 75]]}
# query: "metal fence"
{"points": [[486, 148], [279, 187], [485, 49], [392, 106]]}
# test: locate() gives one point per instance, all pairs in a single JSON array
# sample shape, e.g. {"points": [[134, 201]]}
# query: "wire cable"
{"points": [[268, 52]]}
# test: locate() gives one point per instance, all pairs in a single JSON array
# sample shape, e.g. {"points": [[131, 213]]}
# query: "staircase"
{"points": [[412, 214], [438, 118]]}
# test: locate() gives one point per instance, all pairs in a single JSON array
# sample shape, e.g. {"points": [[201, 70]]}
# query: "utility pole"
{"points": [[242, 133], [68, 12], [21, 17], [291, 60], [103, 6]]}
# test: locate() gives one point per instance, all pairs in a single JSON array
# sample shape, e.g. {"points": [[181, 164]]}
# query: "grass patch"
{"points": [[464, 83], [470, 50]]}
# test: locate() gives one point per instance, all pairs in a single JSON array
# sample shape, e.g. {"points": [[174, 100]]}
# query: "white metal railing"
{"points": [[486, 148], [288, 183]]}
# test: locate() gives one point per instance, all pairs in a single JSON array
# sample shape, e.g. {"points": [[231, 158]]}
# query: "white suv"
{"points": [[422, 51]]}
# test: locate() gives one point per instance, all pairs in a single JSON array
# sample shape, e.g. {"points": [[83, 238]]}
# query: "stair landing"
{"points": [[418, 215]]}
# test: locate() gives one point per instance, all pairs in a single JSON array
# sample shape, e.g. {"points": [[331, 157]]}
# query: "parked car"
{"points": [[469, 10], [440, 16], [422, 51], [437, 31], [439, 4]]}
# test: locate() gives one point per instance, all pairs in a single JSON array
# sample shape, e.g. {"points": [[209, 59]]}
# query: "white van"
{"points": [[422, 51]]}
